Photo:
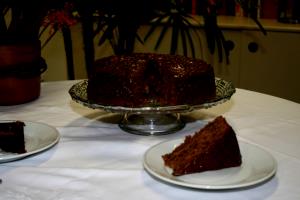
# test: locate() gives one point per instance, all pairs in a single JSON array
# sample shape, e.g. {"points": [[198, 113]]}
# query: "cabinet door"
{"points": [[228, 71], [270, 64]]}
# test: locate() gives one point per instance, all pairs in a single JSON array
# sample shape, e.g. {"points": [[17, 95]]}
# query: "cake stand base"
{"points": [[151, 124]]}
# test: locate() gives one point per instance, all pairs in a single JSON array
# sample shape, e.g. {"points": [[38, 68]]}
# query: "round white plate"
{"points": [[257, 166], [38, 137]]}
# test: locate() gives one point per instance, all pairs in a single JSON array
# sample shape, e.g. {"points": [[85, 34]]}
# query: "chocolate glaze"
{"points": [[145, 79]]}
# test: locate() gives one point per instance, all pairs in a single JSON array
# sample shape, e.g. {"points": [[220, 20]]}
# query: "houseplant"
{"points": [[21, 63], [118, 21]]}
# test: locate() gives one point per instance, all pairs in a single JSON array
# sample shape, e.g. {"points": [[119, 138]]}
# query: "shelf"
{"points": [[231, 22]]}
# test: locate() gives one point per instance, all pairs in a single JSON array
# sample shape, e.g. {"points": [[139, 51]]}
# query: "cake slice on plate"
{"points": [[12, 137], [213, 147]]}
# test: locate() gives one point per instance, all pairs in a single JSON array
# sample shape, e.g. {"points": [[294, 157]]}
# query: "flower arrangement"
{"points": [[21, 64], [59, 19], [21, 21]]}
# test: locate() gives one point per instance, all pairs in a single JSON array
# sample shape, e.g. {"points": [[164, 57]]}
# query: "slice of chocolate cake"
{"points": [[213, 147], [12, 137]]}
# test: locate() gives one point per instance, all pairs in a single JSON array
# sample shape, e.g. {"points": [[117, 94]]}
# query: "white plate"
{"points": [[257, 166], [38, 137]]}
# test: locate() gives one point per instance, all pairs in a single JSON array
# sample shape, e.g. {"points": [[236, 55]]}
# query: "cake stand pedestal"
{"points": [[151, 124], [152, 120]]}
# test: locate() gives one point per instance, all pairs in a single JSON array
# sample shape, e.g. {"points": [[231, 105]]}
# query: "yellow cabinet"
{"points": [[264, 63], [274, 66]]}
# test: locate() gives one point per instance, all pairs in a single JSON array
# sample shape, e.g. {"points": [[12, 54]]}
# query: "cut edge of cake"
{"points": [[213, 147], [12, 139]]}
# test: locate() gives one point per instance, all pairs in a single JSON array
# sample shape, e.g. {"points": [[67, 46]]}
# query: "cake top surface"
{"points": [[212, 132], [176, 65], [214, 129], [11, 126]]}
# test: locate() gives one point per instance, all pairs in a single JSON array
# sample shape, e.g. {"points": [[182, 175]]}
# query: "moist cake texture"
{"points": [[12, 137], [213, 147]]}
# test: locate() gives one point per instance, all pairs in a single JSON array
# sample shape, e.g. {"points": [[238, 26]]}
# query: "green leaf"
{"points": [[174, 38], [158, 22], [162, 34]]}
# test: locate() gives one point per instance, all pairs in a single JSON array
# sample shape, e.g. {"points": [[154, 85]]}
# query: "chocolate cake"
{"points": [[12, 137], [213, 147], [148, 79]]}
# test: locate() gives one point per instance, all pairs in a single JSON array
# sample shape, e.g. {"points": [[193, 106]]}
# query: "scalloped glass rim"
{"points": [[224, 91]]}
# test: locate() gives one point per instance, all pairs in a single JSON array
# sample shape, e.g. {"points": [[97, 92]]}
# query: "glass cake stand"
{"points": [[152, 120]]}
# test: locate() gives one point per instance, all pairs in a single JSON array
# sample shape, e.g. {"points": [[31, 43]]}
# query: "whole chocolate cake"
{"points": [[147, 79], [213, 147], [12, 137]]}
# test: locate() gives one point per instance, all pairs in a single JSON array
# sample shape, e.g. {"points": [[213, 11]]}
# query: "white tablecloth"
{"points": [[95, 159]]}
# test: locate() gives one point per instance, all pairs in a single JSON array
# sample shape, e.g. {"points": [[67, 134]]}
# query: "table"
{"points": [[95, 159]]}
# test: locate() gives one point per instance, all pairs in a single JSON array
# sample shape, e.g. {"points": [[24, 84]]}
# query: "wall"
{"points": [[54, 54]]}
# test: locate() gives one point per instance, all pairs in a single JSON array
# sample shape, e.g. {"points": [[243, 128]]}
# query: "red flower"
{"points": [[58, 19]]}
